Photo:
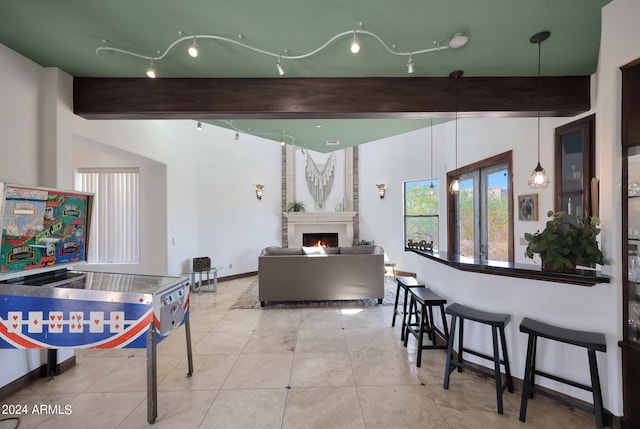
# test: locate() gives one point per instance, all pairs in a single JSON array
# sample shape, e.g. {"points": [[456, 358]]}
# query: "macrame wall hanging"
{"points": [[320, 180]]}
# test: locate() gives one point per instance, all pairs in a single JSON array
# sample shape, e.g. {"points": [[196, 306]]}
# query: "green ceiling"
{"points": [[66, 34]]}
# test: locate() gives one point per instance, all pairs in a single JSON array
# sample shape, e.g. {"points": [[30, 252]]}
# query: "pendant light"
{"points": [[454, 186], [432, 189], [539, 177]]}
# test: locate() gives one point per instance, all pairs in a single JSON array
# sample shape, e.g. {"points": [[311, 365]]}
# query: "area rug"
{"points": [[249, 299]]}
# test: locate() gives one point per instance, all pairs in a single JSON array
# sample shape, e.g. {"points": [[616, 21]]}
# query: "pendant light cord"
{"points": [[457, 77], [456, 129], [538, 98], [431, 169]]}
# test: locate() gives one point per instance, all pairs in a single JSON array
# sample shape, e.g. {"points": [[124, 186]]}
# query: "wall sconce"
{"points": [[381, 190], [259, 191]]}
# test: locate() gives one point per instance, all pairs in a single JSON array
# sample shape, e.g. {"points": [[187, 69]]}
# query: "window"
{"points": [[421, 208], [115, 224], [480, 224]]}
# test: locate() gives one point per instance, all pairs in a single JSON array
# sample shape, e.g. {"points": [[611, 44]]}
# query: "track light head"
{"points": [[199, 126], [355, 44], [279, 68], [151, 71], [458, 40], [410, 65], [193, 50]]}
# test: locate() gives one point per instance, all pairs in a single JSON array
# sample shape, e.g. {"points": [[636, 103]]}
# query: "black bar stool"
{"points": [[497, 322], [592, 341], [426, 299], [404, 283]]}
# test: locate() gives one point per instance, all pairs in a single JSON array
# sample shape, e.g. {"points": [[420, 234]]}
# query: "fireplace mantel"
{"points": [[299, 223]]}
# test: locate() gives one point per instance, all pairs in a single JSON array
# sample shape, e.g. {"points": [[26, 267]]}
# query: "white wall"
{"points": [[19, 159], [19, 84]]}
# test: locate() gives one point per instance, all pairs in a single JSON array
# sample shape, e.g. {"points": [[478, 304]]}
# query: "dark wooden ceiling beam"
{"points": [[328, 98]]}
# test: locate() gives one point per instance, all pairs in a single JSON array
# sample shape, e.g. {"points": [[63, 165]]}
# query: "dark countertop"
{"points": [[583, 277]]}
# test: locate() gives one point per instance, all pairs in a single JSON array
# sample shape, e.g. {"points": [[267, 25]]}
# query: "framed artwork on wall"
{"points": [[528, 207]]}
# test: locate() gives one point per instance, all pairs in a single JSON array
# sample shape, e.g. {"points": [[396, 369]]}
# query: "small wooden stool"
{"points": [[592, 341], [426, 299], [497, 322], [404, 283]]}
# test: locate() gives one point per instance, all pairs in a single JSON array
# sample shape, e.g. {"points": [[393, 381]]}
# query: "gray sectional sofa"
{"points": [[321, 274]]}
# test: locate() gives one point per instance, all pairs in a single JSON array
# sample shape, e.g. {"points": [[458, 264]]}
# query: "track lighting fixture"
{"points": [[151, 71], [539, 177], [281, 136], [199, 126], [455, 41], [279, 68], [410, 65], [193, 49]]}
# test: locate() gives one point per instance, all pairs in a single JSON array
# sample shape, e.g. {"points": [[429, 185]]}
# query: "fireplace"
{"points": [[320, 239], [299, 223]]}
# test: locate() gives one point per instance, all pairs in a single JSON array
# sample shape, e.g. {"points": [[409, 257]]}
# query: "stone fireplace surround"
{"points": [[345, 223], [319, 222]]}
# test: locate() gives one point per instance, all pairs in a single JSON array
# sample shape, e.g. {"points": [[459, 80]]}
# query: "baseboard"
{"points": [[237, 276], [19, 383], [227, 278], [405, 274]]}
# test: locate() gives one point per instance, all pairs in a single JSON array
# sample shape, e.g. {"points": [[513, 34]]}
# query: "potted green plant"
{"points": [[566, 241], [296, 206]]}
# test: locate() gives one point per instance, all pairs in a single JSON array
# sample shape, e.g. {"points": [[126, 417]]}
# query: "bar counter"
{"points": [[582, 277]]}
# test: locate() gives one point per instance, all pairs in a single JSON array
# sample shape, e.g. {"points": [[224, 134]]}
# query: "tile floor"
{"points": [[322, 368]]}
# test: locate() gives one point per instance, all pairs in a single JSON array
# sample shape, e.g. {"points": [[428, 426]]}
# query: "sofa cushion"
{"points": [[316, 250], [279, 251], [357, 250]]}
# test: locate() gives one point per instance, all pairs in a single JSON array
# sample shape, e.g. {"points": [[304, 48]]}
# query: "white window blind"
{"points": [[115, 223]]}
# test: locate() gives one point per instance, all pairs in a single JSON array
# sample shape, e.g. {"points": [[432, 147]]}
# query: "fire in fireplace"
{"points": [[322, 239]]}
